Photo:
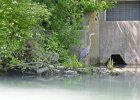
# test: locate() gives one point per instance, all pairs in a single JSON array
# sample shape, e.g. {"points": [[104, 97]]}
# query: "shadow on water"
{"points": [[86, 87]]}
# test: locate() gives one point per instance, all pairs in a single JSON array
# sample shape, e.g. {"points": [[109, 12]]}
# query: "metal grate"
{"points": [[124, 11]]}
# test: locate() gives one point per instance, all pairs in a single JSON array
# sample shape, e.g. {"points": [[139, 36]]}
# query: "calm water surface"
{"points": [[88, 87]]}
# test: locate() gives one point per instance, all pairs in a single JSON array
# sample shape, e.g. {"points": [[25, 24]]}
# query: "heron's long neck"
{"points": [[90, 41]]}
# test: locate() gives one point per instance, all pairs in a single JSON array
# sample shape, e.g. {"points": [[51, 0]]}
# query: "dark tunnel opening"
{"points": [[117, 59]]}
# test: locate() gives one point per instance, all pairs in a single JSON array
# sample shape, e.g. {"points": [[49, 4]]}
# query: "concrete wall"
{"points": [[112, 37], [91, 26], [120, 38]]}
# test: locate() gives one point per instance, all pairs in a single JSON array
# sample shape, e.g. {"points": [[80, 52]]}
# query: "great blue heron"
{"points": [[85, 51]]}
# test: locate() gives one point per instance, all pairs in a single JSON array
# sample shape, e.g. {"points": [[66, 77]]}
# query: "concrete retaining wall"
{"points": [[112, 37], [120, 37], [92, 26]]}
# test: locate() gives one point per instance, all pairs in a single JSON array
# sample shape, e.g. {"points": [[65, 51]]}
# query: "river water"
{"points": [[87, 87]]}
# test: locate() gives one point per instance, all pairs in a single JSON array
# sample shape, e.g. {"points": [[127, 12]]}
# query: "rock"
{"points": [[60, 67], [132, 70], [70, 72], [124, 70], [83, 70], [95, 70], [51, 66], [119, 70], [42, 70], [56, 71], [103, 71], [53, 57]]}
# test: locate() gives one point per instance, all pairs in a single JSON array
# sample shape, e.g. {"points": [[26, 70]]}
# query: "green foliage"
{"points": [[73, 63], [110, 64], [66, 19], [18, 17], [22, 35], [96, 5]]}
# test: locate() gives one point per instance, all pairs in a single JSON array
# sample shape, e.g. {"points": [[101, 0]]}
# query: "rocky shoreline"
{"points": [[46, 69], [94, 70], [117, 71], [57, 69]]}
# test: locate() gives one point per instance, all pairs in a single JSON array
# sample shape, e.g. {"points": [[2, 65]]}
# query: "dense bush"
{"points": [[18, 19], [23, 23]]}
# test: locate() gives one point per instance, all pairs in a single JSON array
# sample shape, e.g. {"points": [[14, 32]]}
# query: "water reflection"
{"points": [[88, 87]]}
